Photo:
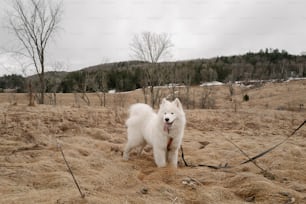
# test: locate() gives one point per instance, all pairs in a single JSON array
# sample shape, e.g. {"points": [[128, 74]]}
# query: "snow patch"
{"points": [[212, 83], [295, 78], [112, 91]]}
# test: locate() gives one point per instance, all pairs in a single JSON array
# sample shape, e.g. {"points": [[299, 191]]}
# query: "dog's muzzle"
{"points": [[167, 126]]}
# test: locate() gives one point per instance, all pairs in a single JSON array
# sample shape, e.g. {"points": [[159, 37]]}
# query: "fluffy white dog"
{"points": [[164, 131]]}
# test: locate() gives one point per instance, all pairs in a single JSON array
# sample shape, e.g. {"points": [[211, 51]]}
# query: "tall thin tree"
{"points": [[33, 23], [151, 47]]}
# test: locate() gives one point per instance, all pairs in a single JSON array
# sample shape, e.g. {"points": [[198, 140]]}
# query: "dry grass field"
{"points": [[32, 169]]}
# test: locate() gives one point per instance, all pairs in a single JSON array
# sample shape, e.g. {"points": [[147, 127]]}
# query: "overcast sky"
{"points": [[97, 31]]}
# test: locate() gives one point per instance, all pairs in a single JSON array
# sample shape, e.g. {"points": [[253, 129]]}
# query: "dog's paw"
{"points": [[125, 156]]}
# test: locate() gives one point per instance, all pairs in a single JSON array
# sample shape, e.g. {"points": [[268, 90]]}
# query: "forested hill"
{"points": [[129, 75]]}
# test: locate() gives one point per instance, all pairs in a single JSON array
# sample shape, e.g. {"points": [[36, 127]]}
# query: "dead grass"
{"points": [[92, 138]]}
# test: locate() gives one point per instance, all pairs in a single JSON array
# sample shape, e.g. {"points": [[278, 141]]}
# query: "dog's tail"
{"points": [[139, 113]]}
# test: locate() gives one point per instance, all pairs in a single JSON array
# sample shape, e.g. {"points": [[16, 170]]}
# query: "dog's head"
{"points": [[170, 112]]}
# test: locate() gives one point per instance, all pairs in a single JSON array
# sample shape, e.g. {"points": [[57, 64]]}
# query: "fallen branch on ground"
{"points": [[75, 181], [245, 154], [33, 147], [270, 149], [202, 165], [265, 172]]}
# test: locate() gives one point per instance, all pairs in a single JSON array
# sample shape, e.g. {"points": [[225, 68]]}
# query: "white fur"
{"points": [[144, 126]]}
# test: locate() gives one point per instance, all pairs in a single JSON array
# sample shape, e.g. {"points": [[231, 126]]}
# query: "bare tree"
{"points": [[144, 85], [188, 75], [100, 86], [153, 78], [151, 47], [173, 74], [156, 78], [34, 22], [84, 86], [206, 100], [53, 81]]}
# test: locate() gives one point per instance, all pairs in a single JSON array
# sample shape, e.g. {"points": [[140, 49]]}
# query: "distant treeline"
{"points": [[130, 75]]}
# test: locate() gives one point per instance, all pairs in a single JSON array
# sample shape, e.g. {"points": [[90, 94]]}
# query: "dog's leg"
{"points": [[129, 146], [160, 157], [172, 157], [126, 151], [135, 139]]}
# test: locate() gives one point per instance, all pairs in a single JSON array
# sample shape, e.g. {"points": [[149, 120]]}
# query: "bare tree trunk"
{"points": [[100, 86], [84, 89], [172, 92], [42, 87], [104, 99], [206, 100], [31, 98], [76, 99], [152, 96], [156, 96], [85, 98], [100, 98], [188, 74], [231, 91], [145, 97], [54, 97], [187, 96]]}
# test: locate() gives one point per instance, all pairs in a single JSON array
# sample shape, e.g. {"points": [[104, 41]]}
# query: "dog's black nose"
{"points": [[167, 119]]}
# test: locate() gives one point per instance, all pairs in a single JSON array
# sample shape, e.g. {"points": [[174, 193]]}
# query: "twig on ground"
{"points": [[195, 180], [10, 166], [174, 200], [33, 147], [75, 181], [245, 154], [183, 156]]}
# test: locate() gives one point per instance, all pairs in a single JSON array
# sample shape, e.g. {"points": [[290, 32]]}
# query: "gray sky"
{"points": [[97, 31]]}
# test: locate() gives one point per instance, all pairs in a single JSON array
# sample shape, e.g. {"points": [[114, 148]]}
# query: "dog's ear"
{"points": [[163, 102], [177, 102]]}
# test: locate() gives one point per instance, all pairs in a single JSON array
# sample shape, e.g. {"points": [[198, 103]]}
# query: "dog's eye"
{"points": [[165, 113], [172, 113]]}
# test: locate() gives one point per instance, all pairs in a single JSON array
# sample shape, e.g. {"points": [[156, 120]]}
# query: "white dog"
{"points": [[163, 131]]}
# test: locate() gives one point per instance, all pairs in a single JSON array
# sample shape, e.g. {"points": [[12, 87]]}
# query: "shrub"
{"points": [[246, 97]]}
